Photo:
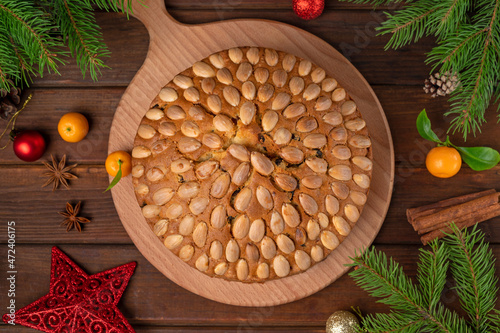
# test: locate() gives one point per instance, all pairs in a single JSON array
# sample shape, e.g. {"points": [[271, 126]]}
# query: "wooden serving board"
{"points": [[173, 47]]}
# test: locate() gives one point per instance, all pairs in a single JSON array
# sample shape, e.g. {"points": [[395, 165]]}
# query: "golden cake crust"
{"points": [[252, 165]]}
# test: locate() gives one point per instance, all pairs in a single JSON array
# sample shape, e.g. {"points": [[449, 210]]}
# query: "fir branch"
{"points": [[472, 265], [431, 274], [471, 101], [393, 323], [24, 66], [450, 13], [37, 32], [377, 3], [77, 24], [457, 49], [385, 279], [408, 24], [125, 6], [473, 268], [31, 31], [21, 61], [473, 53], [468, 36], [494, 319], [8, 66], [450, 320]]}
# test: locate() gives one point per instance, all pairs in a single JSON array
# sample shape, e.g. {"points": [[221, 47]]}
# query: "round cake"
{"points": [[253, 164]]}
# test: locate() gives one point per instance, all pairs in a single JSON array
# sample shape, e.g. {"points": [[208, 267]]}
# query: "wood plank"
{"points": [[402, 106], [152, 299], [349, 31], [35, 209], [166, 60], [222, 329], [187, 329], [46, 108], [260, 4], [128, 42], [99, 104]]}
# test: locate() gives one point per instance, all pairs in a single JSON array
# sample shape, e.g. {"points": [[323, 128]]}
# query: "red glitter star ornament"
{"points": [[78, 302], [308, 9]]}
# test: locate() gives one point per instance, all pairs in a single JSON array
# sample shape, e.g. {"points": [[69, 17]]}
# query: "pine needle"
{"points": [[449, 15], [417, 308], [408, 24], [431, 275], [377, 3], [78, 26], [31, 30], [473, 269], [33, 36], [468, 44], [8, 66], [393, 322], [384, 278], [125, 6]]}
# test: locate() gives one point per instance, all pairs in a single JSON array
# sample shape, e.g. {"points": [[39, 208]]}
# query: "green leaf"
{"points": [[424, 128], [479, 158], [117, 177]]}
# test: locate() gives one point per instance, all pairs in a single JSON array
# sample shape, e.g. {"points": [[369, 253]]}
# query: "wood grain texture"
{"points": [[152, 299], [260, 4], [196, 329], [35, 209], [174, 47], [352, 32], [47, 106], [402, 105], [397, 78]]}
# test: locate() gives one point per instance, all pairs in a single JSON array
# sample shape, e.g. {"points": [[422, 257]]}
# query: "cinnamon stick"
{"points": [[431, 221], [470, 216], [465, 221], [414, 213]]}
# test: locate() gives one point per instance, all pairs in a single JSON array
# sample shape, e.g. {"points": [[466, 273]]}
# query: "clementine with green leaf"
{"points": [[114, 159], [447, 159], [118, 165]]}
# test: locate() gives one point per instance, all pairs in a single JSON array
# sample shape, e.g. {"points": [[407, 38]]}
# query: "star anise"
{"points": [[58, 173], [71, 218]]}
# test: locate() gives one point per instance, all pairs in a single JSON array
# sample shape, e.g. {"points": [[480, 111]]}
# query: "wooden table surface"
{"points": [[152, 303]]}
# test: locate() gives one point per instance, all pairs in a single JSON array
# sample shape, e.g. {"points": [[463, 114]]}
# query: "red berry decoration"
{"points": [[29, 146], [308, 9]]}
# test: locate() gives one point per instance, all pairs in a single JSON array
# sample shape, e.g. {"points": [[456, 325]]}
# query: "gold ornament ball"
{"points": [[342, 322]]}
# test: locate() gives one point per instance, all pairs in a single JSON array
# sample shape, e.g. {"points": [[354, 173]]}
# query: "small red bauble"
{"points": [[308, 9], [29, 146]]}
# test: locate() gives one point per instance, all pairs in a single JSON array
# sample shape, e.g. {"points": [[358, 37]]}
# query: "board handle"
{"points": [[153, 12]]}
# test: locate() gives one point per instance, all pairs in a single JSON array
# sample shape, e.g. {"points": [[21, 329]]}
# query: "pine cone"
{"points": [[441, 84], [9, 101]]}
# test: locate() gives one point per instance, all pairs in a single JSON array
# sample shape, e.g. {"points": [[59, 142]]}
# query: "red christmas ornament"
{"points": [[29, 146], [308, 9], [78, 302]]}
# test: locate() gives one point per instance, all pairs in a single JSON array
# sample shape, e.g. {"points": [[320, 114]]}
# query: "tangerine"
{"points": [[112, 165], [73, 127], [443, 162]]}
